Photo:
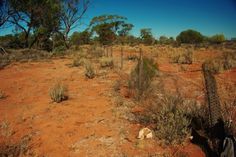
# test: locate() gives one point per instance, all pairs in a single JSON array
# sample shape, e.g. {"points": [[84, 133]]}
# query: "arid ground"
{"points": [[90, 123]]}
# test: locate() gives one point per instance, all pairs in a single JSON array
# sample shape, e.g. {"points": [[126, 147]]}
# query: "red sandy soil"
{"points": [[85, 124]]}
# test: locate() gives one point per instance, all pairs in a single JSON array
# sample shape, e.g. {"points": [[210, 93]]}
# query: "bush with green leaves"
{"points": [[142, 75], [106, 62], [172, 121], [89, 70], [190, 37], [59, 92], [60, 50]]}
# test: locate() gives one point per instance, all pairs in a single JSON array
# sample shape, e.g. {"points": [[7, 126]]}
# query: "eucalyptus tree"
{"points": [[109, 27]]}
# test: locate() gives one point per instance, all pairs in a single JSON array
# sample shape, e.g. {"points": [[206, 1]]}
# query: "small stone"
{"points": [[145, 133]]}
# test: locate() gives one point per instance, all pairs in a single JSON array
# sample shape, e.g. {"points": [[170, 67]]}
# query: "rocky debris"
{"points": [[145, 133]]}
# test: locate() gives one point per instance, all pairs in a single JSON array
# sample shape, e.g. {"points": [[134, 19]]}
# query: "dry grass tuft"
{"points": [[58, 92]]}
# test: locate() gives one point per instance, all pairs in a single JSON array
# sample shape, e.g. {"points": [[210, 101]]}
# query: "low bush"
{"points": [[225, 62], [97, 51], [89, 70], [132, 57], [78, 61], [172, 120], [184, 58], [106, 62], [58, 92]]}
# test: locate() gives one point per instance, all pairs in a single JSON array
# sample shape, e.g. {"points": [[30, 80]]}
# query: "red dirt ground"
{"points": [[85, 124]]}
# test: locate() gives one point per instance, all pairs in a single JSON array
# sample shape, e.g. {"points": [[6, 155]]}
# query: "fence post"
{"points": [[140, 65], [121, 58]]}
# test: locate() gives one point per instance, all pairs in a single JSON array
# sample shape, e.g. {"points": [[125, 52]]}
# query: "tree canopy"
{"points": [[146, 36], [190, 36], [109, 27]]}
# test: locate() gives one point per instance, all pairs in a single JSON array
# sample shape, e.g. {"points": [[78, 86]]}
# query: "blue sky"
{"points": [[169, 17]]}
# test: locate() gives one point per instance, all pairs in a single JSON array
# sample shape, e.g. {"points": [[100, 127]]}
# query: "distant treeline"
{"points": [[46, 24]]}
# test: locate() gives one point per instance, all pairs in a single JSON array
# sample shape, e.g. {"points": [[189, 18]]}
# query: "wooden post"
{"points": [[121, 58], [111, 54], [140, 75]]}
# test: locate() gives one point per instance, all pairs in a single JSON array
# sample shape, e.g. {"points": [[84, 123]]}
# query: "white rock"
{"points": [[145, 133]]}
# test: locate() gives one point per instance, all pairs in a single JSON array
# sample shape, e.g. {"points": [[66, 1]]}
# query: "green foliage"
{"points": [[146, 36], [166, 40], [59, 50], [57, 40], [190, 37], [58, 92], [89, 70], [141, 82], [217, 39], [171, 121], [12, 41], [80, 38], [163, 40], [106, 62], [108, 27]]}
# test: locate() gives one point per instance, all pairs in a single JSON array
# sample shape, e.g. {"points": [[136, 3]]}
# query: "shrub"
{"points": [[190, 37], [106, 62], [60, 50], [184, 58], [141, 82], [89, 70], [217, 39], [58, 92], [97, 51], [172, 122], [226, 62], [78, 61], [229, 111], [2, 94], [132, 57]]}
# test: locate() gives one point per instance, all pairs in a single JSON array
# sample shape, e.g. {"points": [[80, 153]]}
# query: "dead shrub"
{"points": [[58, 92]]}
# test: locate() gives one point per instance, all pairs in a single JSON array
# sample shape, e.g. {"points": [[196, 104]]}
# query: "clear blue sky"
{"points": [[169, 17]]}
